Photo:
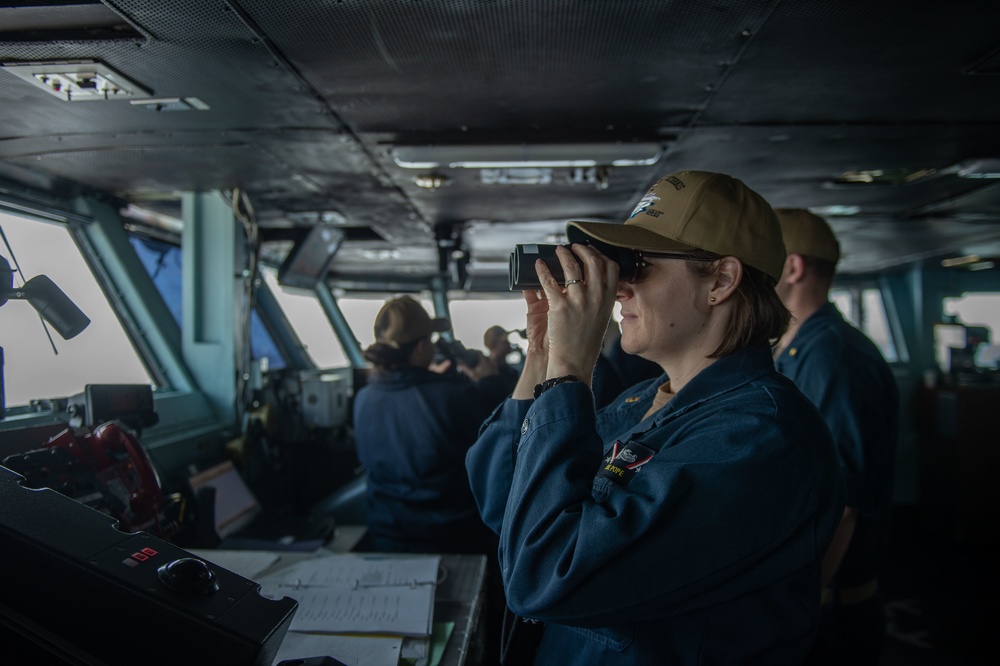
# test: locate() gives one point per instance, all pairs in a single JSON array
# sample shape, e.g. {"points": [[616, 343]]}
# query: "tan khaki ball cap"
{"points": [[698, 210], [402, 320], [807, 234]]}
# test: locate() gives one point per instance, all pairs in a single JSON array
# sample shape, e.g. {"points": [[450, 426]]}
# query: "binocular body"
{"points": [[522, 274]]}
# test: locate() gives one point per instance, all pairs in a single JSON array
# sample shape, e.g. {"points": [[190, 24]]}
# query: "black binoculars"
{"points": [[522, 263], [456, 352]]}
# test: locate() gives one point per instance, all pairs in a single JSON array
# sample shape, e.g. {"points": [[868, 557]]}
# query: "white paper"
{"points": [[393, 611], [352, 650], [358, 571], [359, 594]]}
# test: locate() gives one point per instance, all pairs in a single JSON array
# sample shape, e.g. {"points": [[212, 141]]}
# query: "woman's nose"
{"points": [[623, 291]]}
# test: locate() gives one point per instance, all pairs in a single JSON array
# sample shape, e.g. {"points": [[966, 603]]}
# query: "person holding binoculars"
{"points": [[412, 427], [685, 522]]}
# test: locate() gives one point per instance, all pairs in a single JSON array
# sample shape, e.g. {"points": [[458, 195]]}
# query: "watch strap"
{"points": [[549, 383]]}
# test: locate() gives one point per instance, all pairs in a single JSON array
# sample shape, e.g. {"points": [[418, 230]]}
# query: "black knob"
{"points": [[189, 576]]}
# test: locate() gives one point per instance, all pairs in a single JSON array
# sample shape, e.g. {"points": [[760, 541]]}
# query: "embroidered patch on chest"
{"points": [[624, 461]]}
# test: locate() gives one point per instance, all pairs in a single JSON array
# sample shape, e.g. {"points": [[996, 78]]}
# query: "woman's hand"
{"points": [[536, 358], [578, 313]]}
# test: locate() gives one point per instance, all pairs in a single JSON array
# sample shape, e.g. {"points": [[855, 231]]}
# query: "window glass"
{"points": [[868, 305], [162, 261], [306, 316], [979, 310], [101, 354], [263, 345], [844, 300], [875, 324], [470, 317]]}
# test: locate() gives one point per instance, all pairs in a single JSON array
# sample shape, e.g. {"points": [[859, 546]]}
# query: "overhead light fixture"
{"points": [[836, 211], [960, 261], [77, 80], [979, 168], [431, 181], [528, 156], [883, 176], [171, 103], [516, 176], [314, 217]]}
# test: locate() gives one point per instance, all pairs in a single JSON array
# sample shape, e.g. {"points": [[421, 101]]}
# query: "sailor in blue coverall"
{"points": [[837, 367], [685, 522], [412, 429]]}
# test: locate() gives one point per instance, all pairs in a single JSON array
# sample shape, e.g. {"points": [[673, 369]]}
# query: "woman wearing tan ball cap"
{"points": [[685, 522]]}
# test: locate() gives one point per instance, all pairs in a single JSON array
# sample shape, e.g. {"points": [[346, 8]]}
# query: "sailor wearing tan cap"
{"points": [[845, 375], [683, 523], [412, 428]]}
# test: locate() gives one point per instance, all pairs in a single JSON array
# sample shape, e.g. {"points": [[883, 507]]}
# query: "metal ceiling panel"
{"points": [[308, 98]]}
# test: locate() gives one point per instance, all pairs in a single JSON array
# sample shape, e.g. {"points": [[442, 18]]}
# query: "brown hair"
{"points": [[385, 357], [759, 316]]}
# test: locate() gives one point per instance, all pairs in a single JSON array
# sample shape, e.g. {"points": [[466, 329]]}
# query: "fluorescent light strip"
{"points": [[551, 156]]}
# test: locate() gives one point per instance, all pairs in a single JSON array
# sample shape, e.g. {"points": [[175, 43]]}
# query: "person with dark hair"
{"points": [[685, 522], [412, 429], [846, 376]]}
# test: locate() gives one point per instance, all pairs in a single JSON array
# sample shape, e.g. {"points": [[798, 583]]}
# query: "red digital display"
{"points": [[140, 556]]}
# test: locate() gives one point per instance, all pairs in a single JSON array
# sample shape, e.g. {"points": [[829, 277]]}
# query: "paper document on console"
{"points": [[352, 650], [359, 594]]}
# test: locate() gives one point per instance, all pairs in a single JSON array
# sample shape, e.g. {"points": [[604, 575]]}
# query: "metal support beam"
{"points": [[439, 296], [213, 300], [340, 326]]}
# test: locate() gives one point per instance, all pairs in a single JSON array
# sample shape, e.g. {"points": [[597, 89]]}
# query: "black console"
{"points": [[78, 590]]}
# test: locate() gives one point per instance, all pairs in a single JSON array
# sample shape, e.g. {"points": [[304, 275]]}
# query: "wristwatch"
{"points": [[549, 383]]}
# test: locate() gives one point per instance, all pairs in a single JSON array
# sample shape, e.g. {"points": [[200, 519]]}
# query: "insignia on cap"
{"points": [[644, 203]]}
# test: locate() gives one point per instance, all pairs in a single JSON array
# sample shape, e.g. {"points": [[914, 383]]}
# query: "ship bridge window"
{"points": [[865, 309], [36, 369], [979, 313], [306, 316], [470, 317], [162, 260]]}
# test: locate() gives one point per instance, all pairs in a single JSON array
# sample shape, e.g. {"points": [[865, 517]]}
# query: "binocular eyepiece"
{"points": [[522, 274]]}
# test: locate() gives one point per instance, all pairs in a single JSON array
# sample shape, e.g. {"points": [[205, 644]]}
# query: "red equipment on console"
{"points": [[106, 469]]}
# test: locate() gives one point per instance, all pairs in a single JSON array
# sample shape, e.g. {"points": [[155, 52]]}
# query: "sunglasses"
{"points": [[642, 255]]}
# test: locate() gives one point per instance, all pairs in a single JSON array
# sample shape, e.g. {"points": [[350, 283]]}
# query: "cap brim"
{"points": [[624, 235], [440, 325]]}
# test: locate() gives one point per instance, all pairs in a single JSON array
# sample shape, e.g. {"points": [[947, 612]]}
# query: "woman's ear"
{"points": [[728, 275]]}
